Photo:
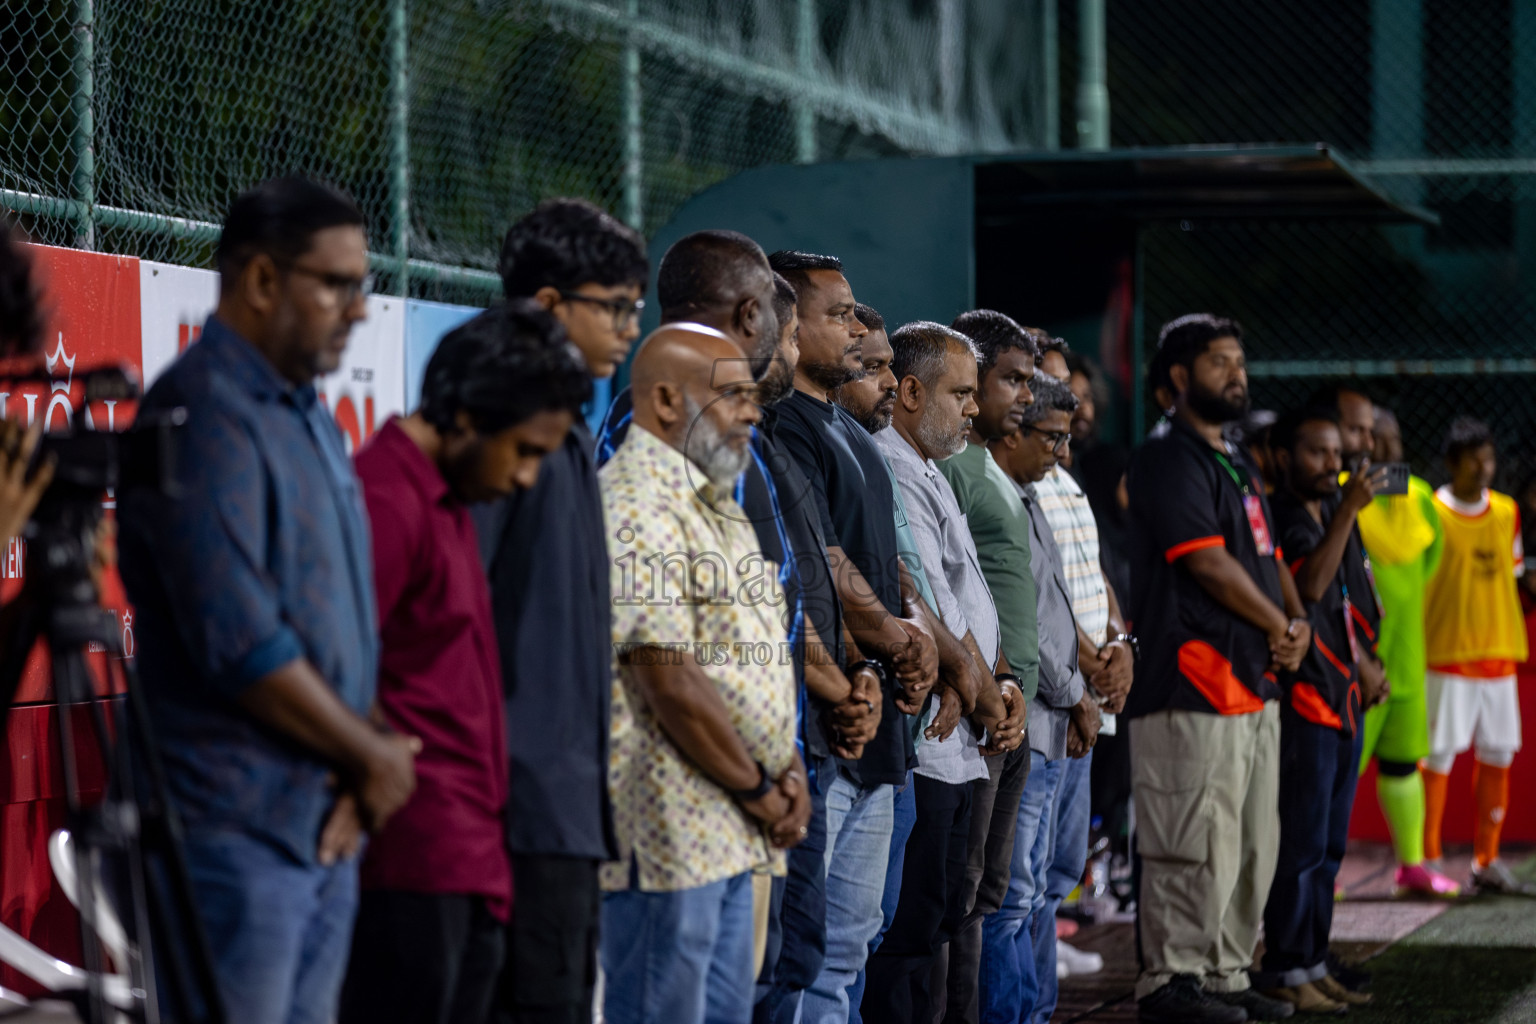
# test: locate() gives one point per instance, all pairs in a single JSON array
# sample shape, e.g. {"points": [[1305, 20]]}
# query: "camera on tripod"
{"points": [[110, 841]]}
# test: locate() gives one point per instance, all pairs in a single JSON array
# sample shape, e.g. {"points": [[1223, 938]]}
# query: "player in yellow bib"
{"points": [[1475, 634], [1403, 538]]}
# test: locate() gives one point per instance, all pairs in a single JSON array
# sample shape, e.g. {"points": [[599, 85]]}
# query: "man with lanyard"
{"points": [[1218, 617], [1320, 718]]}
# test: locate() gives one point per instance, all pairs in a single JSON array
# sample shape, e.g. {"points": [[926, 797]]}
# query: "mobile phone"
{"points": [[1397, 478]]}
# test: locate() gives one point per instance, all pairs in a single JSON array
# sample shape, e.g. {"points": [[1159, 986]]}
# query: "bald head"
{"points": [[693, 388], [721, 279]]}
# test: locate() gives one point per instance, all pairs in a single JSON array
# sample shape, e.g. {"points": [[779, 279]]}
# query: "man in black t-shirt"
{"points": [[853, 495], [1218, 617], [1320, 715]]}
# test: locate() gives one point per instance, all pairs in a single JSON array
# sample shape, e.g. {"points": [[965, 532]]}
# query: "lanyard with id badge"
{"points": [[1253, 507]]}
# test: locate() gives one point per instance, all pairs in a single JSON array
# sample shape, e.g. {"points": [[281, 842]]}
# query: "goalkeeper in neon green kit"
{"points": [[1403, 538]]}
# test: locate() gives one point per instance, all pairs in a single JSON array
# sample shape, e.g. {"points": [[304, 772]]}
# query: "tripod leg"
{"points": [[72, 688]]}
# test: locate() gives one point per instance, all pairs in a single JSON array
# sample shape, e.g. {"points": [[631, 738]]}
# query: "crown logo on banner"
{"points": [[54, 358]]}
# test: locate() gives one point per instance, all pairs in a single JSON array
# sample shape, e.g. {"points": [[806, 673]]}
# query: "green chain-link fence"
{"points": [[128, 127], [1436, 101], [130, 124]]}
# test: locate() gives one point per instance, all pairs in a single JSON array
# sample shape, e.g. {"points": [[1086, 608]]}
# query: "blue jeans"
{"points": [[680, 957], [279, 932], [859, 825], [1319, 767], [797, 920], [1062, 869], [904, 819], [1008, 983]]}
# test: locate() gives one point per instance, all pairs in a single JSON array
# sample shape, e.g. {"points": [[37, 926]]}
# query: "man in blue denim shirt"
{"points": [[254, 596]]}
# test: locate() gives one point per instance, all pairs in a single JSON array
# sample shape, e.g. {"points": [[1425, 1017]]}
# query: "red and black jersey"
{"points": [[1325, 689], [1196, 654]]}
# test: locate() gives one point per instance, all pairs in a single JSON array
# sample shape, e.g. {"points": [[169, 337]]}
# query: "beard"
{"points": [[873, 419], [1215, 407], [708, 447], [1323, 485], [939, 438], [829, 376], [775, 383]]}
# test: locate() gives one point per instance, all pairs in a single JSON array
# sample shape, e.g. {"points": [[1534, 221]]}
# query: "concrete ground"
{"points": [[1468, 961]]}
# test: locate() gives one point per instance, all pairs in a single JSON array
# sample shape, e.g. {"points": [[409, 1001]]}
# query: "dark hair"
{"points": [[706, 270], [1184, 340], [566, 243], [918, 350], [279, 219], [1285, 431], [1051, 395], [784, 299], [1054, 345], [1328, 397], [21, 308], [1466, 435], [797, 266], [502, 367], [869, 316], [1076, 363], [993, 333]]}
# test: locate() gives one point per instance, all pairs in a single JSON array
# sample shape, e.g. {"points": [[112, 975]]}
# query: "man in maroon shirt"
{"points": [[500, 393]]}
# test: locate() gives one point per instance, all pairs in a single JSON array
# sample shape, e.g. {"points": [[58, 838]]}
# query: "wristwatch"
{"points": [[1129, 640], [875, 667], [762, 789]]}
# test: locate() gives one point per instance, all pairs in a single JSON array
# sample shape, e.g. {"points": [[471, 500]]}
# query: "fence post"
{"points": [[82, 139], [1050, 64], [634, 138], [805, 64], [399, 147], [1092, 77]]}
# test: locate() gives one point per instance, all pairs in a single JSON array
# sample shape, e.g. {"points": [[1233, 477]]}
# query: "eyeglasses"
{"points": [[347, 289], [623, 311], [1055, 438]]}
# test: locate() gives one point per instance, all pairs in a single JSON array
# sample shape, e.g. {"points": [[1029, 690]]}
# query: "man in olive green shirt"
{"points": [[999, 525]]}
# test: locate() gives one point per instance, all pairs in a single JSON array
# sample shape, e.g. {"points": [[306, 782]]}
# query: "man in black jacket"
{"points": [[547, 554]]}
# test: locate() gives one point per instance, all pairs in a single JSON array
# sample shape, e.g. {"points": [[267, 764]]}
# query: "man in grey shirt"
{"points": [[1026, 457], [936, 373]]}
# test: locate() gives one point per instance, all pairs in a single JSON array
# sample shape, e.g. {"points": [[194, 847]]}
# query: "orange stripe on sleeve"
{"points": [[1178, 551]]}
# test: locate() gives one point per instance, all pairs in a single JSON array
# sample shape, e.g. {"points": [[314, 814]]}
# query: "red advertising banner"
{"points": [[93, 321]]}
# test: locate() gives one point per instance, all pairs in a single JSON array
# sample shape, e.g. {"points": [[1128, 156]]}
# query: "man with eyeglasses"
{"points": [[1019, 945], [546, 552], [257, 636], [1106, 656]]}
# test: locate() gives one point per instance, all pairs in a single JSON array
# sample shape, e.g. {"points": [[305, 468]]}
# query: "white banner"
{"points": [[369, 387], [173, 304], [365, 391]]}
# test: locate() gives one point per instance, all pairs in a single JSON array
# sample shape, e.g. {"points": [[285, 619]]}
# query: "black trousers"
{"points": [[551, 967], [421, 958], [899, 989], [989, 868]]}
